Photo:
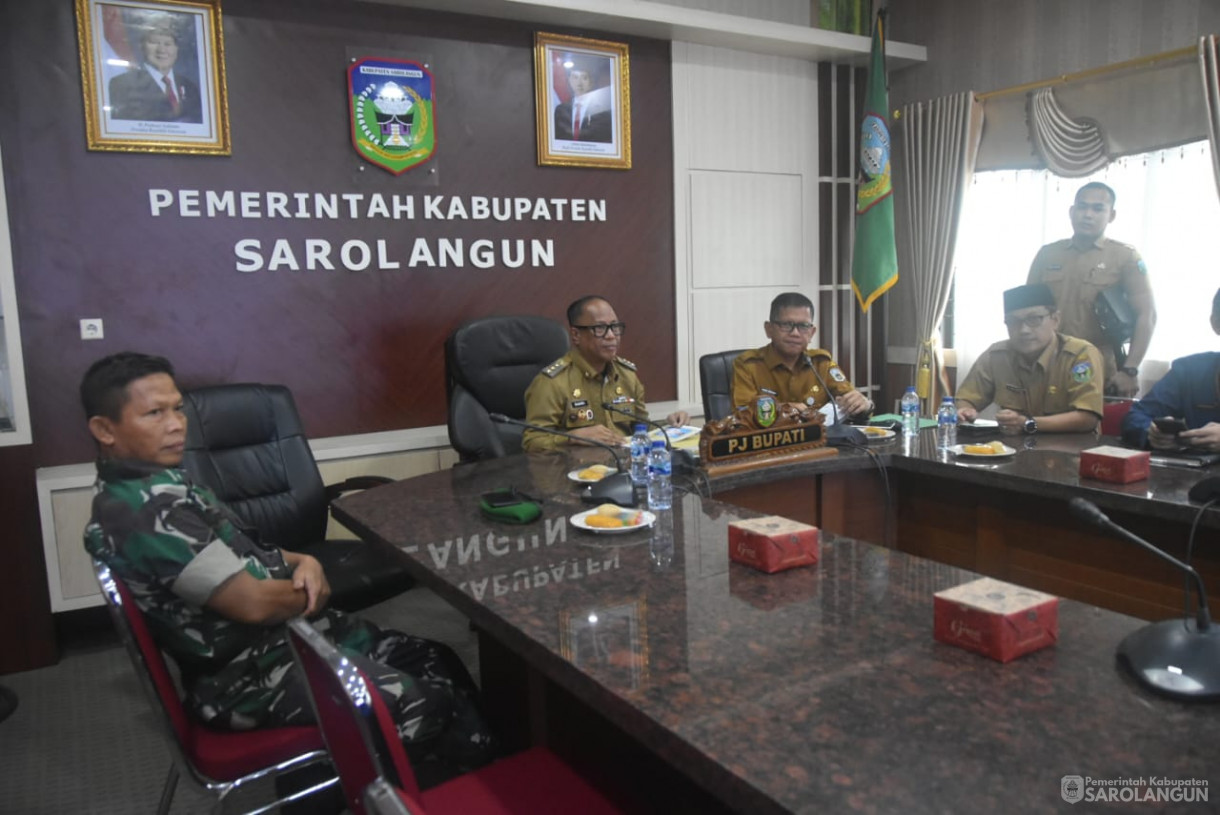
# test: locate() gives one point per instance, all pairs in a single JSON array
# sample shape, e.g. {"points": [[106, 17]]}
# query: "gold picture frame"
{"points": [[586, 124], [153, 76]]}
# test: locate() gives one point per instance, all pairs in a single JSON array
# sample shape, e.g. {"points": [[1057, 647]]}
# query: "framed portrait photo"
{"points": [[582, 91], [153, 76]]}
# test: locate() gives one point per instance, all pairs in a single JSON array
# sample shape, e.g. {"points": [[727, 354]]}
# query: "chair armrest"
{"points": [[356, 482]]}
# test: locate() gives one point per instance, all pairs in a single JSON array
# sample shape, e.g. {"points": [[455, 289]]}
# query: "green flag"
{"points": [[874, 263]]}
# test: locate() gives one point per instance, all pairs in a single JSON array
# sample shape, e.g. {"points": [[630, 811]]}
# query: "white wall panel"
{"points": [[746, 227], [751, 112], [724, 319], [745, 184]]}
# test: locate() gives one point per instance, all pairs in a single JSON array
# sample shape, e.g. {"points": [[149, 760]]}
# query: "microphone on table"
{"points": [[839, 434], [682, 461], [1178, 658], [1206, 489], [617, 488]]}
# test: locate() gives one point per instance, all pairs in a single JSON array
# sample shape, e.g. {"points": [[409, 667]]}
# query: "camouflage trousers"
{"points": [[424, 684]]}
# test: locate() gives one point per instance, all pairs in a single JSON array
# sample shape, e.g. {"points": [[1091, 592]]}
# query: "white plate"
{"points": [[960, 450], [877, 433], [578, 520], [574, 475], [982, 424]]}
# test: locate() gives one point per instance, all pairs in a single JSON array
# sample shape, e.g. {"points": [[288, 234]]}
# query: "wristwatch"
{"points": [[1031, 427], [1131, 372]]}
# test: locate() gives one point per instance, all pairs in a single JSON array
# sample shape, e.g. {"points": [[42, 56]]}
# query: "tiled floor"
{"points": [[84, 740]]}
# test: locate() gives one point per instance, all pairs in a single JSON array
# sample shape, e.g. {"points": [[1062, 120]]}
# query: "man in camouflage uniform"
{"points": [[214, 597], [1081, 267], [1040, 379], [569, 393], [791, 371]]}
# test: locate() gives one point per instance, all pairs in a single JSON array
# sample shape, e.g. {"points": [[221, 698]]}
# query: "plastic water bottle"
{"points": [[946, 424], [660, 477], [910, 412], [640, 445]]}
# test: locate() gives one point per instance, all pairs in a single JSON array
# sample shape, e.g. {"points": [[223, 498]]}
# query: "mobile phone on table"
{"points": [[506, 497], [1170, 426]]}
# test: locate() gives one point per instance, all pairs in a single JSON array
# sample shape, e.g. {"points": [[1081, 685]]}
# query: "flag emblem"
{"points": [[392, 119]]}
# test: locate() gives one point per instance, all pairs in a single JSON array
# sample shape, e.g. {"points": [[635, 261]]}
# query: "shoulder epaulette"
{"points": [[814, 353], [553, 370], [626, 363]]}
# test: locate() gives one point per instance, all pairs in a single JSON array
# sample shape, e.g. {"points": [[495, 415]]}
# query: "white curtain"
{"points": [[1211, 98], [941, 140], [1069, 147]]}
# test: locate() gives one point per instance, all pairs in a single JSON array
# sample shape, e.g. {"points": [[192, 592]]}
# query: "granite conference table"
{"points": [[686, 683]]}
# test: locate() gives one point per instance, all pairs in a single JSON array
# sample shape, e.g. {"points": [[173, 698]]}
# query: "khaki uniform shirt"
{"points": [[568, 394], [1064, 377], [816, 371], [1076, 277]]}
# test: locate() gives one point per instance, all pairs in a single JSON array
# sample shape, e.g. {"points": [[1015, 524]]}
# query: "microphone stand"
{"points": [[616, 489], [1178, 657], [683, 462]]}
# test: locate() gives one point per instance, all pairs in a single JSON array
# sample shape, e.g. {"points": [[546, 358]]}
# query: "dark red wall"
{"points": [[362, 351]]}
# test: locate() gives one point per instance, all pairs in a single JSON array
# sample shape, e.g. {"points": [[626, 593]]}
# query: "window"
{"points": [[1167, 208]]}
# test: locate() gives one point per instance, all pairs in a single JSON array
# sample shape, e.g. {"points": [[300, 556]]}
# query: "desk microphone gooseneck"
{"points": [[1178, 657], [682, 461], [617, 488]]}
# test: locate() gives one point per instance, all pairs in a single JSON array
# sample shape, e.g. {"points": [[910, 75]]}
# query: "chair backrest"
{"points": [[246, 443], [1112, 414], [147, 659], [716, 383], [489, 363], [355, 721]]}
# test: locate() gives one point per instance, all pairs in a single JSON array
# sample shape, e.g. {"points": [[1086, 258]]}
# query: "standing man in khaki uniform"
{"points": [[1042, 380], [569, 393], [789, 369], [1081, 267]]}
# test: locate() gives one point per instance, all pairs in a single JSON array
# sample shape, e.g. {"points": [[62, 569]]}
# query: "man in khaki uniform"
{"points": [[1041, 380], [1078, 269], [569, 393], [789, 369]]}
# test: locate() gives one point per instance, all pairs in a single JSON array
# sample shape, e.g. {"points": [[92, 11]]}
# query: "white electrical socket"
{"points": [[91, 328]]}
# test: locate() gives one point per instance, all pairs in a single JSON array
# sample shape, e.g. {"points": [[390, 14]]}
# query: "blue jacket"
{"points": [[1190, 391]]}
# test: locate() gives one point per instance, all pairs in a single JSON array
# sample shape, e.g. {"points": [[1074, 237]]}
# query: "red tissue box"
{"points": [[1117, 464], [996, 619], [772, 544]]}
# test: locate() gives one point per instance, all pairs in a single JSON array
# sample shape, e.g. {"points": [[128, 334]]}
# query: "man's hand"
{"points": [[1160, 440], [1206, 437], [678, 418], [307, 574], [967, 415], [1122, 385], [600, 433], [1010, 421], [853, 402]]}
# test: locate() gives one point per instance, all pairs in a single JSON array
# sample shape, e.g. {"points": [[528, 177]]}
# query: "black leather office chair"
{"points": [[489, 362], [247, 444], [716, 383]]}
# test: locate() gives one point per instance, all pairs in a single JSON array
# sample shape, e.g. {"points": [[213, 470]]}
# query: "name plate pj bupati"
{"points": [[762, 428]]}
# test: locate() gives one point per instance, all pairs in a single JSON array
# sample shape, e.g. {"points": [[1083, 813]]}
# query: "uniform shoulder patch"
{"points": [[1082, 371], [555, 368], [626, 363]]}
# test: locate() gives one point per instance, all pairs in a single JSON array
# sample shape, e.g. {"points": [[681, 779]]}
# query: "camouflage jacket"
{"points": [[173, 544]]}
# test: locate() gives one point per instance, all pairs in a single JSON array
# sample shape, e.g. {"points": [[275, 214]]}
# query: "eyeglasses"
{"points": [[600, 329], [1032, 321], [790, 328]]}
